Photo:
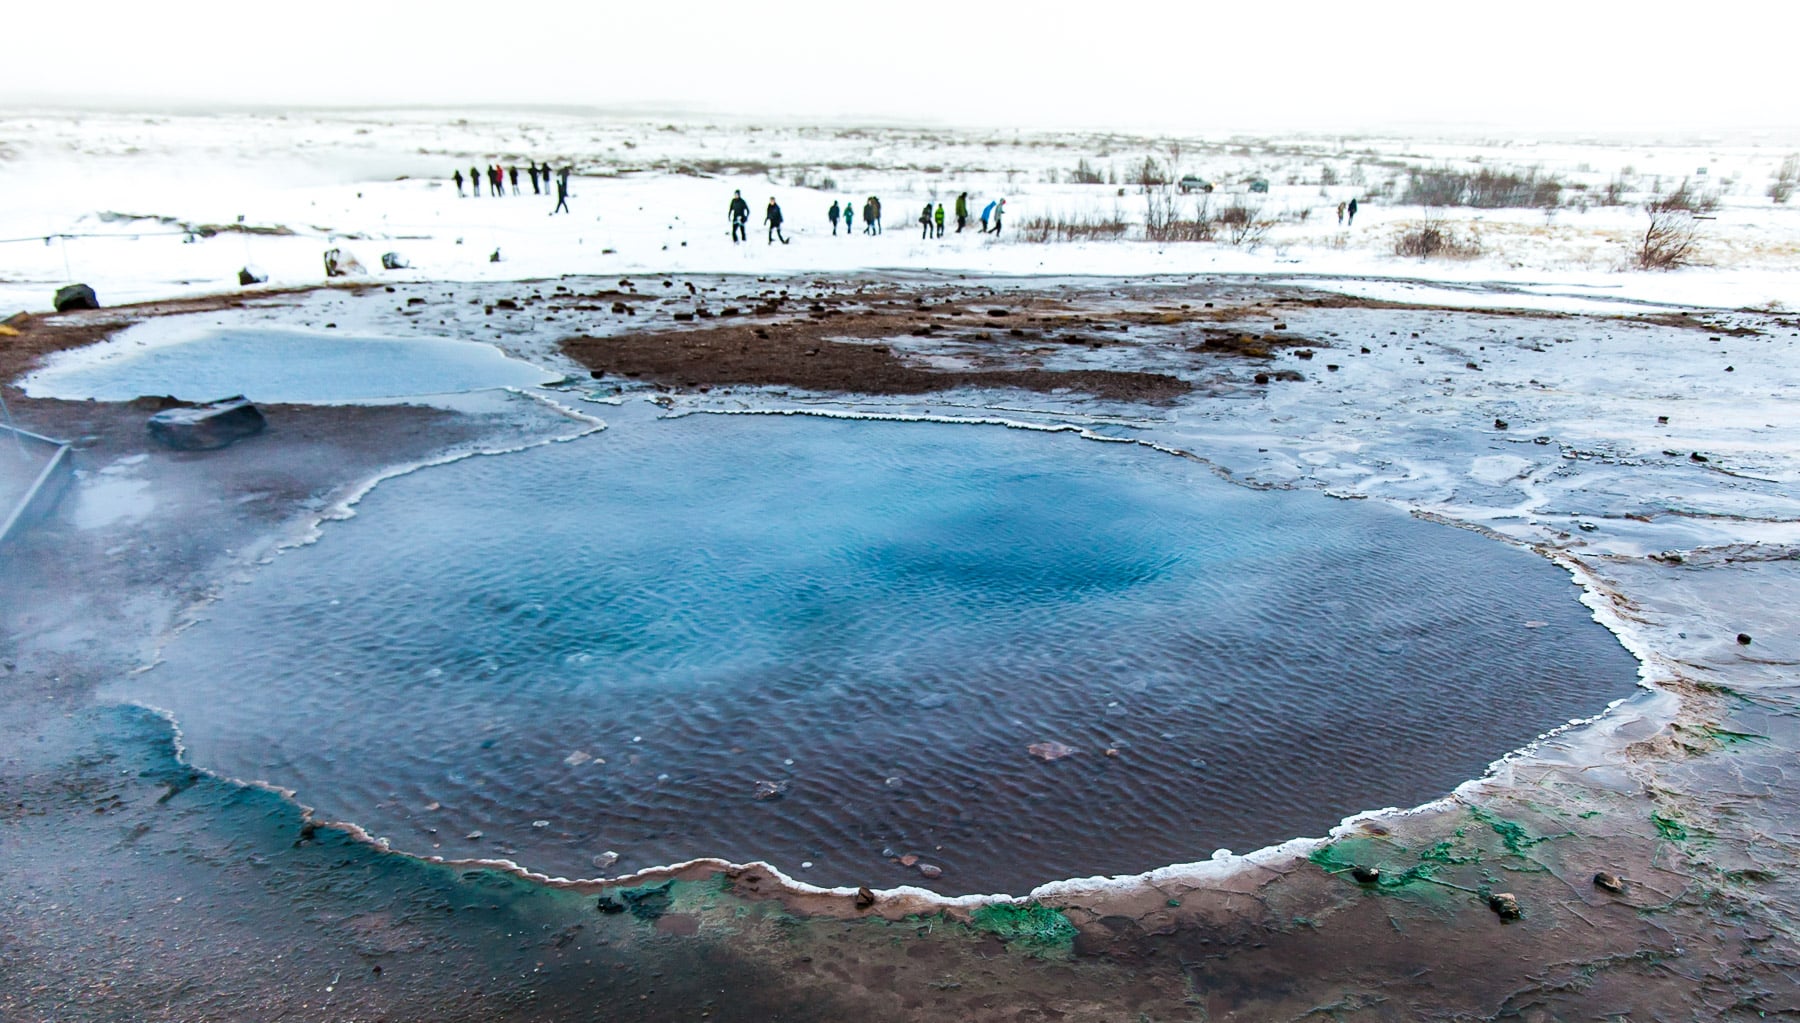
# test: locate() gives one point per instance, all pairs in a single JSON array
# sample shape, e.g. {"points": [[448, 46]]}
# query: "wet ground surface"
{"points": [[137, 888]]}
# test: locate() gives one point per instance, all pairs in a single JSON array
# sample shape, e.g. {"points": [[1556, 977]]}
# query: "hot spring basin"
{"points": [[620, 644], [269, 364]]}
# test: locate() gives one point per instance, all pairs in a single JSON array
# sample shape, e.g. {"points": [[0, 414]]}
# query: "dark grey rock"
{"points": [[209, 426], [75, 296]]}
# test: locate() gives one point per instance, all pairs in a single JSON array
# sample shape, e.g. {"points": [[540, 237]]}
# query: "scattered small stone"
{"points": [[908, 860], [864, 897], [1609, 882], [473, 835], [1332, 366], [606, 859], [1261, 378], [1500, 424], [1365, 350], [1662, 420], [1743, 639], [1051, 750], [1365, 875], [506, 303], [769, 790], [1505, 905], [1304, 353], [930, 872], [1698, 457]]}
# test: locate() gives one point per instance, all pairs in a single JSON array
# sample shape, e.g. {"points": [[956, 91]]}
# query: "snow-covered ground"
{"points": [[148, 206]]}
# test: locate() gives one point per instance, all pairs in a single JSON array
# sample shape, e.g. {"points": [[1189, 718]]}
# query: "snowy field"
{"points": [[148, 206]]}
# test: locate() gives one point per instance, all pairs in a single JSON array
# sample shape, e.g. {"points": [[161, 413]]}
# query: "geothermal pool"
{"points": [[830, 644], [274, 364]]}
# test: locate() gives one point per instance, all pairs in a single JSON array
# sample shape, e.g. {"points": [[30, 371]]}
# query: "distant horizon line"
{"points": [[1461, 128]]}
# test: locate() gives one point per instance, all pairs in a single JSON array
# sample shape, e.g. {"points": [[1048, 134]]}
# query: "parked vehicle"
{"points": [[1190, 183]]}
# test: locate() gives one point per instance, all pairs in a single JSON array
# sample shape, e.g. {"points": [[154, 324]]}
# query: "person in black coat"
{"points": [[457, 177], [739, 213], [474, 183], [773, 219], [1351, 209]]}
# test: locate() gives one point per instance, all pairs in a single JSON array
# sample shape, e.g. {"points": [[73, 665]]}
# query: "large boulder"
{"points": [[248, 276], [75, 296], [204, 427], [339, 263], [393, 261]]}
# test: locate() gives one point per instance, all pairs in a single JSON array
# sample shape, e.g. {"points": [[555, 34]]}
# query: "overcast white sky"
{"points": [[1196, 66]]}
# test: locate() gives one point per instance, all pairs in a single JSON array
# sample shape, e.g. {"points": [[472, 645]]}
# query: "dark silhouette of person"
{"points": [[875, 200], [496, 180], [545, 171], [832, 214], [1351, 209], [773, 219], [458, 178], [513, 172], [532, 167], [869, 215], [999, 210], [925, 222], [474, 183], [562, 197], [962, 212], [739, 212]]}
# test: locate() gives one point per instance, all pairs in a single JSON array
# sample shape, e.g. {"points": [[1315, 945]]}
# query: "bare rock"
{"points": [[1505, 905], [75, 296], [206, 427]]}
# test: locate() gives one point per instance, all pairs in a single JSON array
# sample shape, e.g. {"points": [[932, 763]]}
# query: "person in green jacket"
{"points": [[939, 217], [962, 212]]}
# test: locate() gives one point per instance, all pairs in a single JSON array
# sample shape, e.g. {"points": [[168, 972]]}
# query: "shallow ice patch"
{"points": [[281, 365]]}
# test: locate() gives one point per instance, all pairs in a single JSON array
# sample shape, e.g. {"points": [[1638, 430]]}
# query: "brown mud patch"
{"points": [[884, 343]]}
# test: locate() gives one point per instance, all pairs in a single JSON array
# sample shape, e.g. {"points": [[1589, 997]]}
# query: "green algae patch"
{"points": [[1669, 827], [1029, 925], [1512, 834]]}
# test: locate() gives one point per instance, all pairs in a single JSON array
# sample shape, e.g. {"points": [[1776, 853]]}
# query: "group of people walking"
{"points": [[498, 177], [931, 218]]}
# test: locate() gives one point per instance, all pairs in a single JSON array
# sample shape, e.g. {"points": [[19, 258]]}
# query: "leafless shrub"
{"points": [[1149, 174], [1684, 198], [1073, 229], [1085, 174], [1484, 188], [1782, 188], [1244, 223], [1672, 234], [1204, 227], [1434, 238]]}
